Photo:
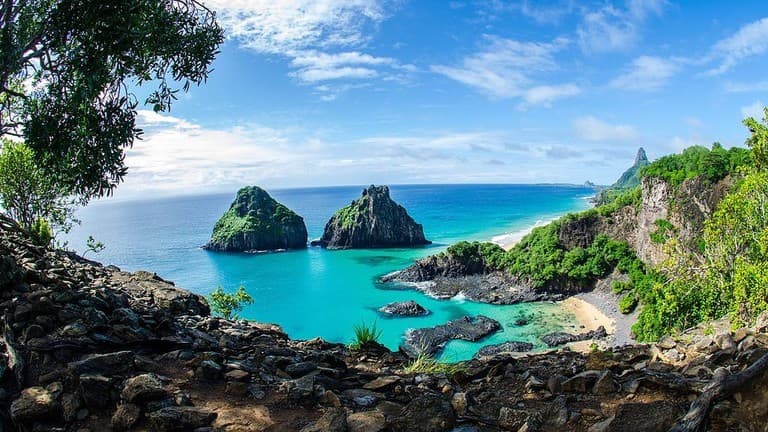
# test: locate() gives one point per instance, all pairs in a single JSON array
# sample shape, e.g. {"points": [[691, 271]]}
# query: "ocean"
{"points": [[316, 292]]}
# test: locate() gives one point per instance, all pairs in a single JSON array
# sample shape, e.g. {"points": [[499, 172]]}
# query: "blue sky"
{"points": [[325, 92]]}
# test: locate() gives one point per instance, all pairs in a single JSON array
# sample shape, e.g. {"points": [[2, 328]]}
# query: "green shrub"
{"points": [[41, 232], [426, 364], [226, 304], [365, 334], [664, 229], [627, 303]]}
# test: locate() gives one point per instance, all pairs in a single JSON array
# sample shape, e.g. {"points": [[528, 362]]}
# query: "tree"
{"points": [[27, 194], [758, 141], [226, 304], [69, 70]]}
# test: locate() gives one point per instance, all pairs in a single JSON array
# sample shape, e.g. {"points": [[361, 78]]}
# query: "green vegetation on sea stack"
{"points": [[255, 221]]}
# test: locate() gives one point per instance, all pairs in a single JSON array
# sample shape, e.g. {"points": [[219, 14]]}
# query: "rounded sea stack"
{"points": [[256, 222], [372, 221]]}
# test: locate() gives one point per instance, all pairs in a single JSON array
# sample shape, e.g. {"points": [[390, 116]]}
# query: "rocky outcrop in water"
{"points": [[372, 221], [406, 309], [432, 340], [256, 222], [506, 347], [561, 338]]}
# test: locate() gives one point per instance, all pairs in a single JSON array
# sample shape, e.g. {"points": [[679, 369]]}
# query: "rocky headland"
{"points": [[404, 309], [90, 348], [372, 221], [256, 222]]}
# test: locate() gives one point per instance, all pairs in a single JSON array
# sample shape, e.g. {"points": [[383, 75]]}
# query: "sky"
{"points": [[309, 93]]}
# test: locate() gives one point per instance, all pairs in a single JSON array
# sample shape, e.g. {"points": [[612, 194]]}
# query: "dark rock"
{"points": [[209, 370], [172, 419], [34, 403], [126, 415], [333, 420], [104, 364], [521, 322], [582, 382], [143, 388], [560, 338], [372, 221], [300, 369], [506, 347], [428, 413], [96, 390], [431, 340], [407, 308], [646, 417], [256, 222]]}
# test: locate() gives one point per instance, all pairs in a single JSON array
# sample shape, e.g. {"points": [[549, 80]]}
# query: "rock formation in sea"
{"points": [[256, 222], [408, 309], [372, 221], [430, 341]]}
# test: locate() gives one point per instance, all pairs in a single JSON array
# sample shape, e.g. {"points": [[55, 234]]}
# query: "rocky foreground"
{"points": [[90, 348]]}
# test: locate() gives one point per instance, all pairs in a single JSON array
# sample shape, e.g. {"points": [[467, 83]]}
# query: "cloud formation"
{"points": [[505, 68], [750, 40], [590, 128], [646, 73], [612, 28]]}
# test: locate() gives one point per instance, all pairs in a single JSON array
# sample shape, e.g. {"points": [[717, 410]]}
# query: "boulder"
{"points": [[561, 338], [333, 420], [34, 403], [407, 308], [431, 340], [428, 413], [104, 364], [372, 221], [506, 347], [172, 419], [256, 222], [144, 388]]}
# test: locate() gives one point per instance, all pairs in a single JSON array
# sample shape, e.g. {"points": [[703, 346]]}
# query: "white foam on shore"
{"points": [[459, 298], [510, 239]]}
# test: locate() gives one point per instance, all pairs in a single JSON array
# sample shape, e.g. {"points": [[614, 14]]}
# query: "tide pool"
{"points": [[315, 292]]}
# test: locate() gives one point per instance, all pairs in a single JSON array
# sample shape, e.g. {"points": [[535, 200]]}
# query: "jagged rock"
{"points": [[382, 382], [256, 222], [104, 364], [407, 308], [560, 338], [172, 419], [431, 340], [34, 403], [125, 417], [373, 221], [144, 388], [428, 413], [646, 417], [300, 369], [506, 347], [366, 421], [96, 390], [333, 420]]}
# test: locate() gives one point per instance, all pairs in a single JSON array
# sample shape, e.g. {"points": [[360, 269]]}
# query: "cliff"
{"points": [[372, 221], [629, 179], [88, 347], [256, 222]]}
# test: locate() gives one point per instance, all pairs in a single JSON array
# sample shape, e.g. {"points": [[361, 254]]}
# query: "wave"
{"points": [[510, 239]]}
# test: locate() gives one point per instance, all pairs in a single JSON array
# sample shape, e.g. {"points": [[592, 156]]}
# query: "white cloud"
{"points": [[504, 69], [750, 40], [315, 66], [593, 129], [754, 110], [750, 87], [646, 73], [547, 13], [611, 28], [275, 27], [314, 34]]}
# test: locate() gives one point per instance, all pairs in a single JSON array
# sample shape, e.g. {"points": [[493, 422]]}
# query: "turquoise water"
{"points": [[315, 292]]}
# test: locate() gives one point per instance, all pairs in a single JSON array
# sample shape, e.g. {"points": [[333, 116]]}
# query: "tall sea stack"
{"points": [[256, 222], [372, 221]]}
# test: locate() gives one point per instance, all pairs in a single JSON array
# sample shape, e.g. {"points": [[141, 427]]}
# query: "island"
{"points": [[372, 221], [257, 222]]}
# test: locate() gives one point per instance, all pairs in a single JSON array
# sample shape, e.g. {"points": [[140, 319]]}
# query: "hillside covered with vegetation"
{"points": [[724, 276]]}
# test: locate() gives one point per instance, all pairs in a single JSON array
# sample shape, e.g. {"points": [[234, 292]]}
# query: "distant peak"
{"points": [[376, 190], [641, 157]]}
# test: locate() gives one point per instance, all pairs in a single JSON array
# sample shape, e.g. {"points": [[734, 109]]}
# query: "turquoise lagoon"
{"points": [[315, 292]]}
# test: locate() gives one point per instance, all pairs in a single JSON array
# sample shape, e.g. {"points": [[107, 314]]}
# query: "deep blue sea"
{"points": [[315, 292]]}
